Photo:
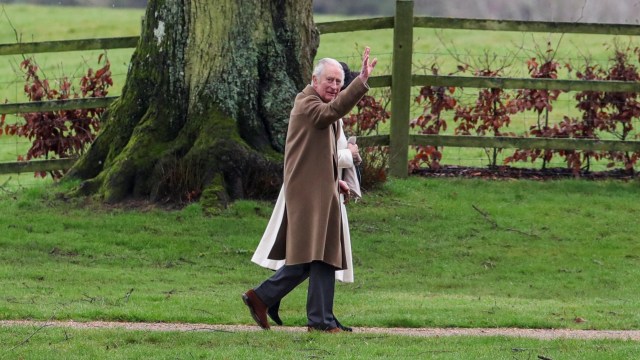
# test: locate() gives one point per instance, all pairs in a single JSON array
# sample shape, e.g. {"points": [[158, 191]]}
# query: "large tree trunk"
{"points": [[205, 106]]}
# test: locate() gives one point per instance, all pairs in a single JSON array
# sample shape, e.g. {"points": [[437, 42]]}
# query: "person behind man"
{"points": [[310, 236], [348, 159]]}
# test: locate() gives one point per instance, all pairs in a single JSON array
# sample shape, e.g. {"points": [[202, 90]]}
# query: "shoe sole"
{"points": [[255, 317]]}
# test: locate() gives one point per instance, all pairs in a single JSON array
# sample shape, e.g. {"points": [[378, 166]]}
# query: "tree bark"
{"points": [[204, 109]]}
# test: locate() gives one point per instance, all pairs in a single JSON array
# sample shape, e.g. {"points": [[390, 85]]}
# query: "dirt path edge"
{"points": [[423, 332]]}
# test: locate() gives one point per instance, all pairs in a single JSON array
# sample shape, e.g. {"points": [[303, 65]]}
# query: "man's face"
{"points": [[328, 84]]}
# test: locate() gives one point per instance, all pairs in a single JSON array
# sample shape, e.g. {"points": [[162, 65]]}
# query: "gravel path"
{"points": [[425, 332]]}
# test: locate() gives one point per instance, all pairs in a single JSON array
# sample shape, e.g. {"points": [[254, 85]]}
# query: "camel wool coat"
{"points": [[346, 168], [311, 227]]}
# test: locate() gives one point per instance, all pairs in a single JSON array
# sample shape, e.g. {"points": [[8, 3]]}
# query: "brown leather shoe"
{"points": [[332, 330], [257, 309]]}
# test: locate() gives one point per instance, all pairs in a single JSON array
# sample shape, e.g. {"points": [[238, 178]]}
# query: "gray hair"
{"points": [[317, 71]]}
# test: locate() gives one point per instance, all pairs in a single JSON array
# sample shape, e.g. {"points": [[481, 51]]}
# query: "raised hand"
{"points": [[367, 67]]}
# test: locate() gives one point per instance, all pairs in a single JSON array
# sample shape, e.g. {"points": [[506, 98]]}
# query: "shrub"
{"points": [[61, 133], [365, 120]]}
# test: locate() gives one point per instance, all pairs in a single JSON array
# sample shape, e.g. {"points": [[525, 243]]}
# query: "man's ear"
{"points": [[314, 80]]}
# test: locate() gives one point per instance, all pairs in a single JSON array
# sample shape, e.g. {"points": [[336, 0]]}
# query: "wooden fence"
{"points": [[401, 80]]}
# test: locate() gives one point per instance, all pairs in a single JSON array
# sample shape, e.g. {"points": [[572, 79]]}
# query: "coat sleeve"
{"points": [[324, 114]]}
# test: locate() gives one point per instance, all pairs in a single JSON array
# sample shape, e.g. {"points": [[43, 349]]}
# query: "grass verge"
{"points": [[427, 253], [61, 343]]}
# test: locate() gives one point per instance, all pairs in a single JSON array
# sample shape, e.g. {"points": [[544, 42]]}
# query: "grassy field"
{"points": [[442, 47], [28, 23], [53, 343], [424, 257], [563, 254], [446, 48]]}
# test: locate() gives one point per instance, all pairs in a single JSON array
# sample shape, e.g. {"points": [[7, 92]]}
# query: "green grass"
{"points": [[57, 343], [9, 183], [46, 23], [424, 257], [442, 47], [29, 23]]}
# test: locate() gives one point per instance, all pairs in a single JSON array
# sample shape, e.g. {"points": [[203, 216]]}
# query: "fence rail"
{"points": [[355, 25], [374, 82], [55, 105], [36, 165], [505, 142], [525, 83], [526, 26], [69, 45], [401, 80]]}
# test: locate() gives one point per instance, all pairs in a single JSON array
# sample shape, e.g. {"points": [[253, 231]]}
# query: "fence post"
{"points": [[401, 89]]}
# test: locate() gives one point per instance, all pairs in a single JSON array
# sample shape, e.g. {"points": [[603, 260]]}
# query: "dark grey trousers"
{"points": [[319, 294]]}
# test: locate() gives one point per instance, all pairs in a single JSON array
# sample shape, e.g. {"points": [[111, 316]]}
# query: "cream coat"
{"points": [[345, 163], [309, 225]]}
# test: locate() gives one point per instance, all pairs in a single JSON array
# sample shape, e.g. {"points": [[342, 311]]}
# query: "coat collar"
{"points": [[310, 91]]}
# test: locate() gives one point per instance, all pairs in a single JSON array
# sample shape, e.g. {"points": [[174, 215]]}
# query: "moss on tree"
{"points": [[205, 107]]}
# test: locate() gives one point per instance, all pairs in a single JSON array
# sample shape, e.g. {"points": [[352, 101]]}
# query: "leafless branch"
{"points": [[6, 16], [212, 330], [204, 311], [26, 340], [128, 295], [3, 187], [437, 352], [582, 11], [450, 49], [89, 299], [487, 61], [15, 31], [170, 292], [495, 225], [486, 216]]}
